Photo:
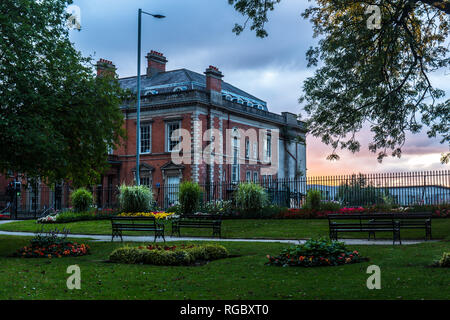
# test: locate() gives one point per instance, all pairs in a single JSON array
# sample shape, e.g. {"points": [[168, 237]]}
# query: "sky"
{"points": [[198, 33]]}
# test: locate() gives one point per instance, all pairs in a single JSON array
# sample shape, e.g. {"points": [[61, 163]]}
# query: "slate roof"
{"points": [[183, 79]]}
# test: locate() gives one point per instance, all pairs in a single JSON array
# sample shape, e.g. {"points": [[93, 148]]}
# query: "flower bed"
{"points": [[315, 253], [293, 213], [183, 254], [156, 214], [439, 211], [52, 245]]}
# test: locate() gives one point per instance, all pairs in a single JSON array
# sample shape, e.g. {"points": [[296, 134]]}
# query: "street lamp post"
{"points": [[138, 107]]}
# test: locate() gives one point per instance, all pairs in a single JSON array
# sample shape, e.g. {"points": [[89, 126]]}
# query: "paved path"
{"points": [[150, 239]]}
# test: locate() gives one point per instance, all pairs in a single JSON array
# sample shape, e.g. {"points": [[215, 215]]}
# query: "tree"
{"points": [[57, 118], [371, 73]]}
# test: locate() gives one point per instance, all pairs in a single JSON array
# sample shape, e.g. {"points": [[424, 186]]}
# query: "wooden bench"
{"points": [[379, 222], [363, 223], [198, 221], [120, 224], [420, 220]]}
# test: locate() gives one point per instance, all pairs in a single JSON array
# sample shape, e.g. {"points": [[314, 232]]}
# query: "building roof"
{"points": [[183, 79]]}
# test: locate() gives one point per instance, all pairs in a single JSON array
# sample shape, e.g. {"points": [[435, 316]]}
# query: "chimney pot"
{"points": [[105, 67], [213, 79], [156, 63]]}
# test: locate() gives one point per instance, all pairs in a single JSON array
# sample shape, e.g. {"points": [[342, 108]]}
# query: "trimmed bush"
{"points": [[168, 255], [135, 199], [81, 199], [189, 197], [250, 199]]}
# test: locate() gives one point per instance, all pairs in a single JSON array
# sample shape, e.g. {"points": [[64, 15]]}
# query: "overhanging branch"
{"points": [[443, 5]]}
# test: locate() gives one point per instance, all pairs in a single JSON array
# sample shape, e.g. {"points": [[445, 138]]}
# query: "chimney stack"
{"points": [[213, 79], [105, 67], [156, 63]]}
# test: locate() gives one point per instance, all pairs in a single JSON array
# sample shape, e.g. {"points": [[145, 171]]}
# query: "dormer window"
{"points": [[150, 92], [178, 89]]}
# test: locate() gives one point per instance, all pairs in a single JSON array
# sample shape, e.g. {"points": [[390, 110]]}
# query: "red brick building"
{"points": [[196, 103], [251, 143]]}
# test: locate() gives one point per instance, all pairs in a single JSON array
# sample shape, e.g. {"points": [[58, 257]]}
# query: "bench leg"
{"points": [[116, 233], [216, 232], [333, 235], [396, 236], [174, 228], [428, 233]]}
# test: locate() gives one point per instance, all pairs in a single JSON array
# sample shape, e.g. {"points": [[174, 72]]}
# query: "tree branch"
{"points": [[443, 5]]}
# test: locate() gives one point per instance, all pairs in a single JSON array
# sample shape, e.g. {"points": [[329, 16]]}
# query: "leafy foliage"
{"points": [[255, 10], [379, 77], [313, 198], [314, 253], [358, 191], [57, 119], [250, 199], [135, 198], [223, 207], [189, 197], [81, 199]]}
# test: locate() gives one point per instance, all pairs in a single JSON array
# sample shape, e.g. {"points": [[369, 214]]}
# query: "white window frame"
{"points": [[146, 181], [247, 148], [149, 125], [268, 148], [235, 170], [168, 137], [255, 176]]}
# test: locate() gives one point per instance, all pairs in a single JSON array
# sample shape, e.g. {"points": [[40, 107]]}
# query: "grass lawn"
{"points": [[264, 228], [404, 275]]}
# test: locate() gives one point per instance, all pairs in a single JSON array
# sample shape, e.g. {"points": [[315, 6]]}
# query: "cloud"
{"points": [[197, 33]]}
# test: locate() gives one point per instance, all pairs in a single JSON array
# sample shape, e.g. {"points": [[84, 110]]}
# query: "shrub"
{"points": [[168, 255], [330, 205], [250, 199], [135, 198], [81, 199], [222, 207], [189, 197], [174, 209], [272, 211], [71, 216], [314, 253], [313, 198]]}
